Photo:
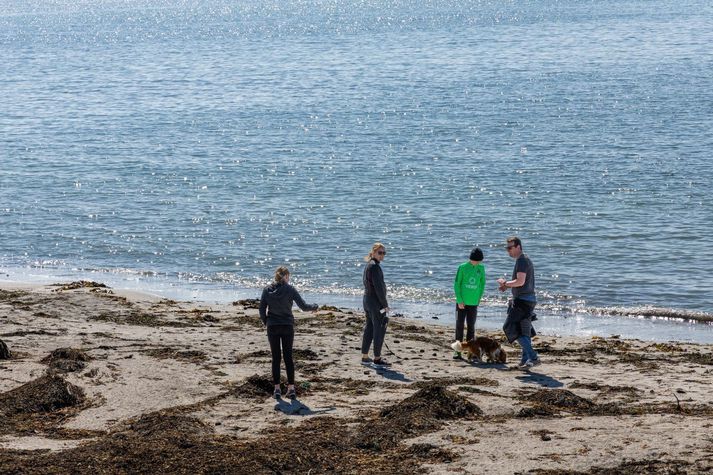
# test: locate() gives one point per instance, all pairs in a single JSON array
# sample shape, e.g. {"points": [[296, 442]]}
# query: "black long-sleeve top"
{"points": [[276, 304], [374, 285]]}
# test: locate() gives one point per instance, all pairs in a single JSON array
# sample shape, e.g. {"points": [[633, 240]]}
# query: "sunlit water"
{"points": [[188, 148]]}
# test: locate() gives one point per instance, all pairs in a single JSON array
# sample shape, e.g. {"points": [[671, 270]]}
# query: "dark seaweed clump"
{"points": [[67, 360], [45, 394], [422, 412]]}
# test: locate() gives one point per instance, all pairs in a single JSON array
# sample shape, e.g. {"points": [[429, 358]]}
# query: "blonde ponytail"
{"points": [[281, 273]]}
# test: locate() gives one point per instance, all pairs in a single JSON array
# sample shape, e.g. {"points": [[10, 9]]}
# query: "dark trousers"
{"points": [[463, 315], [374, 328], [281, 336]]}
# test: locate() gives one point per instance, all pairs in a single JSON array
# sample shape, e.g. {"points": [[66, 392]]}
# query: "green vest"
{"points": [[469, 283]]}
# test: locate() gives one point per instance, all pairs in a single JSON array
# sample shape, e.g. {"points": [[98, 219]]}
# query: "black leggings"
{"points": [[284, 334]]}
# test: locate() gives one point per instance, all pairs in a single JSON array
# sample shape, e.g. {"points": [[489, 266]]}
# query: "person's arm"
{"points": [[301, 303], [456, 287], [518, 282], [377, 280], [263, 306]]}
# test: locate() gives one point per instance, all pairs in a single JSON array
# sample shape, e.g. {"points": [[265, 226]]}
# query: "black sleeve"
{"points": [[377, 280], [263, 306], [301, 303]]}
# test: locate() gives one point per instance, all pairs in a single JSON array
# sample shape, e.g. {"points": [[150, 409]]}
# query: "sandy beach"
{"points": [[103, 381]]}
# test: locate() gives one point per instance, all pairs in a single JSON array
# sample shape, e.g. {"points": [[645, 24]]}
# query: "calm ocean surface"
{"points": [[189, 148]]}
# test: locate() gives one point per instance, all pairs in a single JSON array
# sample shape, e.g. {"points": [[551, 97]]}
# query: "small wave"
{"points": [[653, 312]]}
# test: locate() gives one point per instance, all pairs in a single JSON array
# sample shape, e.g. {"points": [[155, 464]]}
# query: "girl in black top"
{"points": [[276, 314]]}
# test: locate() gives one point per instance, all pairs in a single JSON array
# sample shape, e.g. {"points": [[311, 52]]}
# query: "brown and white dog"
{"points": [[481, 346]]}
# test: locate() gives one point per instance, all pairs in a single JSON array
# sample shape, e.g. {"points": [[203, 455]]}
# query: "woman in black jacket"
{"points": [[276, 314], [375, 305]]}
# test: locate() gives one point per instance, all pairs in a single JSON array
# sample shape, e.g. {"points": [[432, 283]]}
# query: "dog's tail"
{"points": [[457, 346]]}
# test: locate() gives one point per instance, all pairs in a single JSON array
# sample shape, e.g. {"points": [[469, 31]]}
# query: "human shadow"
{"points": [[540, 379], [293, 407], [389, 373]]}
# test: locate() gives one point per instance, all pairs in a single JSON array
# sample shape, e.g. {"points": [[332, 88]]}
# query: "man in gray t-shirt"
{"points": [[518, 324]]}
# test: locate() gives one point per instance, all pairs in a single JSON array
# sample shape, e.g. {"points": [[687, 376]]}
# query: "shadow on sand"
{"points": [[540, 379], [293, 407], [483, 364], [388, 373]]}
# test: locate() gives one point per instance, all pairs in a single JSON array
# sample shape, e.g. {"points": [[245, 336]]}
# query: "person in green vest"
{"points": [[469, 285]]}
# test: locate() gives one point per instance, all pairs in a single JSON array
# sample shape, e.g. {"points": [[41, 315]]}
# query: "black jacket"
{"points": [[374, 285], [276, 304]]}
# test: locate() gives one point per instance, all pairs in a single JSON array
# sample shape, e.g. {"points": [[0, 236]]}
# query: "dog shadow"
{"points": [[293, 407], [389, 373], [540, 379], [485, 364]]}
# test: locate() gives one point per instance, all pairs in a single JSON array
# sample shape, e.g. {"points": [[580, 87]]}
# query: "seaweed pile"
{"points": [[66, 360], [421, 412], [162, 442], [4, 351], [39, 405]]}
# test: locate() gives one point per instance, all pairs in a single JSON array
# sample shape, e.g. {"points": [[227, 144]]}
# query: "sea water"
{"points": [[189, 148]]}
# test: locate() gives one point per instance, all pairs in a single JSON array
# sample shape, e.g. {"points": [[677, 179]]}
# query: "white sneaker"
{"points": [[530, 363]]}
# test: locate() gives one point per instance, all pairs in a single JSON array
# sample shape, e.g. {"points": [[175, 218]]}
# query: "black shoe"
{"points": [[291, 393], [381, 362], [277, 394]]}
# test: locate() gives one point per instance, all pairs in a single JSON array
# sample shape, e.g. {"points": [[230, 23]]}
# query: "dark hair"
{"points": [[514, 240]]}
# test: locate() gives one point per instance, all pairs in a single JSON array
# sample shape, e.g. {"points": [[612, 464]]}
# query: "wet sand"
{"points": [[102, 381]]}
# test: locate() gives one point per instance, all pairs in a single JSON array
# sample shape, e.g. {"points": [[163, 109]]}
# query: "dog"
{"points": [[479, 347]]}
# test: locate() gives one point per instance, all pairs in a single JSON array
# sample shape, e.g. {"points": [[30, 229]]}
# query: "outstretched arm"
{"points": [[301, 303]]}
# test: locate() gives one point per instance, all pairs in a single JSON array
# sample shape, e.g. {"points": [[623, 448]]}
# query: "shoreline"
{"points": [[645, 322], [154, 385]]}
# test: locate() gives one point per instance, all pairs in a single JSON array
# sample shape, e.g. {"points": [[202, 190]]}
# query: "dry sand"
{"points": [[101, 381]]}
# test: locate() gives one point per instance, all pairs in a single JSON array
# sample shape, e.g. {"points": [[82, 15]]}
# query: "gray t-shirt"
{"points": [[527, 291]]}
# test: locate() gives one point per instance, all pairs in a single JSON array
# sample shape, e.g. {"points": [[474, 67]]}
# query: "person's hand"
{"points": [[461, 306], [501, 284], [385, 310]]}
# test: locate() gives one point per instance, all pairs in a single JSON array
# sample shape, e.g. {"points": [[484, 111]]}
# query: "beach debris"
{"points": [[165, 352], [209, 318], [137, 318], [66, 360], [638, 467], [79, 284], [45, 394], [245, 320], [329, 308], [452, 381], [560, 398], [248, 303], [305, 354], [4, 351], [256, 386], [162, 425], [422, 412], [431, 453], [549, 402], [12, 295]]}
